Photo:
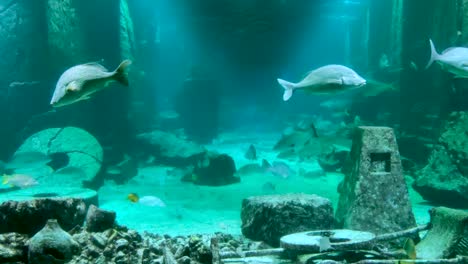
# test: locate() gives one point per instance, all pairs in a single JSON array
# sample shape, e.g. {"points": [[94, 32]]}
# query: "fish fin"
{"points": [[73, 86], [97, 64], [121, 72], [434, 54], [265, 164], [288, 89]]}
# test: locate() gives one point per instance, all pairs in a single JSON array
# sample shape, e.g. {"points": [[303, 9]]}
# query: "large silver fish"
{"points": [[329, 79], [454, 60], [82, 81]]}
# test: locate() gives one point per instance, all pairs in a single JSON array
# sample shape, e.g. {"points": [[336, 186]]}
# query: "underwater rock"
{"points": [[214, 170], [12, 249], [444, 179], [52, 245], [169, 149], [332, 158], [28, 217], [98, 220], [455, 139], [373, 195], [270, 217], [83, 150], [199, 247], [441, 182]]}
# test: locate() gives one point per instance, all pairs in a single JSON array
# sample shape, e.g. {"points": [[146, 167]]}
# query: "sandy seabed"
{"points": [[192, 209]]}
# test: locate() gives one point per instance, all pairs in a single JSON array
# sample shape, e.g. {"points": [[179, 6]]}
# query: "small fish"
{"points": [[454, 60], [152, 201], [133, 197], [410, 248], [27, 159], [413, 66], [19, 180], [329, 79], [114, 170], [251, 153], [280, 169], [23, 84], [124, 170], [82, 81]]}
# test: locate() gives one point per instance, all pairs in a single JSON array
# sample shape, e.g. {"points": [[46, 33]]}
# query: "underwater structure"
{"points": [[374, 194]]}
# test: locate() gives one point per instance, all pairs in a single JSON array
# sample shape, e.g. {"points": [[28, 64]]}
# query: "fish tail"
{"points": [[434, 54], [121, 72], [288, 88]]}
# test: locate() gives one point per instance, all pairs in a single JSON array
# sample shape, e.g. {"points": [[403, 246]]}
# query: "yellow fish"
{"points": [[410, 248], [19, 180], [133, 197]]}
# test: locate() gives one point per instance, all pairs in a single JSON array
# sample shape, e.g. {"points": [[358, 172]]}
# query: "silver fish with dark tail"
{"points": [[80, 82]]}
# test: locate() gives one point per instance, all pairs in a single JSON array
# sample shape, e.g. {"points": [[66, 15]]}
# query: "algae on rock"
{"points": [[66, 37], [445, 177], [127, 35]]}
